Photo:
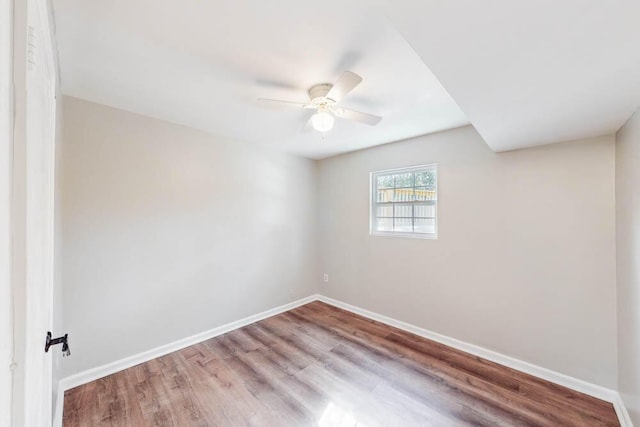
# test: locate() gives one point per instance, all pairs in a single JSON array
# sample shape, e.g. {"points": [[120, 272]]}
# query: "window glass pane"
{"points": [[403, 211], [424, 225], [384, 181], [404, 179], [424, 194], [404, 225], [385, 195], [403, 195], [384, 211], [426, 178], [421, 193], [424, 210], [384, 224]]}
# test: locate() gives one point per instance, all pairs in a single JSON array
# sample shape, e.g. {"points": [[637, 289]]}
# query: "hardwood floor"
{"points": [[320, 365]]}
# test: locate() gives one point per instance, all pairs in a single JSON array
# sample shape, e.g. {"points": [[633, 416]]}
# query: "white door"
{"points": [[39, 189]]}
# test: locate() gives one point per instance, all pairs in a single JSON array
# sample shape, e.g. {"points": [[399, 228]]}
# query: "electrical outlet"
{"points": [[325, 277]]}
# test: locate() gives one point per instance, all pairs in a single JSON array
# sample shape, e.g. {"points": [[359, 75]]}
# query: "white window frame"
{"points": [[373, 203]]}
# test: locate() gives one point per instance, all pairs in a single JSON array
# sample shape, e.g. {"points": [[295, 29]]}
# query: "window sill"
{"points": [[404, 235]]}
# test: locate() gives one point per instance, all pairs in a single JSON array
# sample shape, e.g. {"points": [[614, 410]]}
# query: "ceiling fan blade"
{"points": [[284, 103], [345, 84], [357, 116]]}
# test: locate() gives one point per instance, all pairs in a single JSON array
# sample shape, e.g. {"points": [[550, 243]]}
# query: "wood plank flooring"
{"points": [[318, 365]]}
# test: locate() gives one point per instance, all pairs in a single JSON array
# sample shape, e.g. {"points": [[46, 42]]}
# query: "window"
{"points": [[404, 202]]}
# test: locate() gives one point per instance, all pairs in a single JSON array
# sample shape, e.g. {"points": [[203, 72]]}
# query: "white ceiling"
{"points": [[525, 73], [203, 64], [530, 72]]}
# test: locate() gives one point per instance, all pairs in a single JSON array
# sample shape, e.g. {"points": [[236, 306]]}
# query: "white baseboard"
{"points": [[93, 374], [519, 365], [621, 411], [529, 368]]}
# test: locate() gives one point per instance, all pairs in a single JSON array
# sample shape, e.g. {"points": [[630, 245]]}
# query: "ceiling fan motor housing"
{"points": [[318, 94]]}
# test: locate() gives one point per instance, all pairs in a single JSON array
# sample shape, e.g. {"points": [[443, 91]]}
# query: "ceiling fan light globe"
{"points": [[322, 121]]}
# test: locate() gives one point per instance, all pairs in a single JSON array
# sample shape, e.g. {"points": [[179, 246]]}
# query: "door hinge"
{"points": [[64, 340]]}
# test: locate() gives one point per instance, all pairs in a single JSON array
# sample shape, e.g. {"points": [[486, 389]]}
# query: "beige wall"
{"points": [[525, 259], [168, 232], [628, 263]]}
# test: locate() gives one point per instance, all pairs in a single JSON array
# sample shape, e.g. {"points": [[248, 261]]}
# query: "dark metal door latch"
{"points": [[60, 340]]}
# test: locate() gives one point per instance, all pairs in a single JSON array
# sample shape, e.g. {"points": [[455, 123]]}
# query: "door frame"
{"points": [[6, 184], [39, 221], [40, 138], [26, 209]]}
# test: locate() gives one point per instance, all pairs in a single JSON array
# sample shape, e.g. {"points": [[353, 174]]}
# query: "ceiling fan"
{"points": [[324, 98]]}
